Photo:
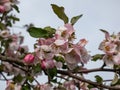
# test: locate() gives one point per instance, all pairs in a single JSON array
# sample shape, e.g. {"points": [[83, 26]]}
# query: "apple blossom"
{"points": [[69, 85], [47, 64], [29, 58], [5, 33], [59, 42], [111, 47], [116, 59], [46, 87]]}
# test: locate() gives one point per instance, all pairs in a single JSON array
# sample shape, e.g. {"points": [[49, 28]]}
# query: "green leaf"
{"points": [[16, 8], [37, 32], [13, 18], [104, 31], [30, 79], [51, 73], [59, 11], [46, 32], [90, 86], [18, 78], [2, 26], [97, 57], [98, 79], [115, 80], [37, 68], [50, 31], [75, 19], [26, 87], [9, 23], [1, 68], [59, 59]]}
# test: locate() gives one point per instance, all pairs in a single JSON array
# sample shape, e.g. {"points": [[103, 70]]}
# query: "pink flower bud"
{"points": [[47, 64], [29, 58], [2, 9]]}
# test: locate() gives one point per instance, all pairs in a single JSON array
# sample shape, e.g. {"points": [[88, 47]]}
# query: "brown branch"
{"points": [[70, 74], [87, 81], [11, 60], [96, 70]]}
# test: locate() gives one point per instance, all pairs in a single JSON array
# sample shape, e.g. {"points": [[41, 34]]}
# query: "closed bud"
{"points": [[29, 58]]}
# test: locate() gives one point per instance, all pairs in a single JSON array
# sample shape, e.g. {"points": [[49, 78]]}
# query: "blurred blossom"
{"points": [[111, 47], [47, 64], [5, 33], [2, 9], [69, 85]]}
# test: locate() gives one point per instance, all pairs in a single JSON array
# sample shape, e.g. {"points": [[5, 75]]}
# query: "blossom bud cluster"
{"points": [[111, 47], [62, 45]]}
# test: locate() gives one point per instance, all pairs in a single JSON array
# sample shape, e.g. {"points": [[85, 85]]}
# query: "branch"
{"points": [[96, 70], [87, 81], [11, 60], [4, 76]]}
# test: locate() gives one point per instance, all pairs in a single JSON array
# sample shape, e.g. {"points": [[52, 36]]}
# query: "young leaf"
{"points": [[18, 78], [97, 57], [37, 32], [37, 68], [115, 80], [98, 79], [16, 8], [50, 31], [59, 11], [51, 72], [75, 19]]}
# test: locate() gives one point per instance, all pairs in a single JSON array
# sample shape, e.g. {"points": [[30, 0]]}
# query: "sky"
{"points": [[97, 14]]}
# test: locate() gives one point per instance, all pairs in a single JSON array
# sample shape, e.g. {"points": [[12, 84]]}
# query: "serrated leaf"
{"points": [[115, 80], [98, 79], [37, 32], [97, 57], [59, 11], [75, 19]]}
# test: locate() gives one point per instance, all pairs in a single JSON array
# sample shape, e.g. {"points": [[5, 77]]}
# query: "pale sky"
{"points": [[97, 14]]}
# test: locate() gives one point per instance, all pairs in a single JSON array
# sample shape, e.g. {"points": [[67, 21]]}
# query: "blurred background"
{"points": [[97, 14]]}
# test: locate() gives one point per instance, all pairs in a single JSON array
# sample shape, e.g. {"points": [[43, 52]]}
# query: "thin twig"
{"points": [[4, 76]]}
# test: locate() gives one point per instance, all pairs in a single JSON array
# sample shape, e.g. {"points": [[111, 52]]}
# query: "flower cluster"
{"points": [[111, 47], [62, 45], [55, 54]]}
